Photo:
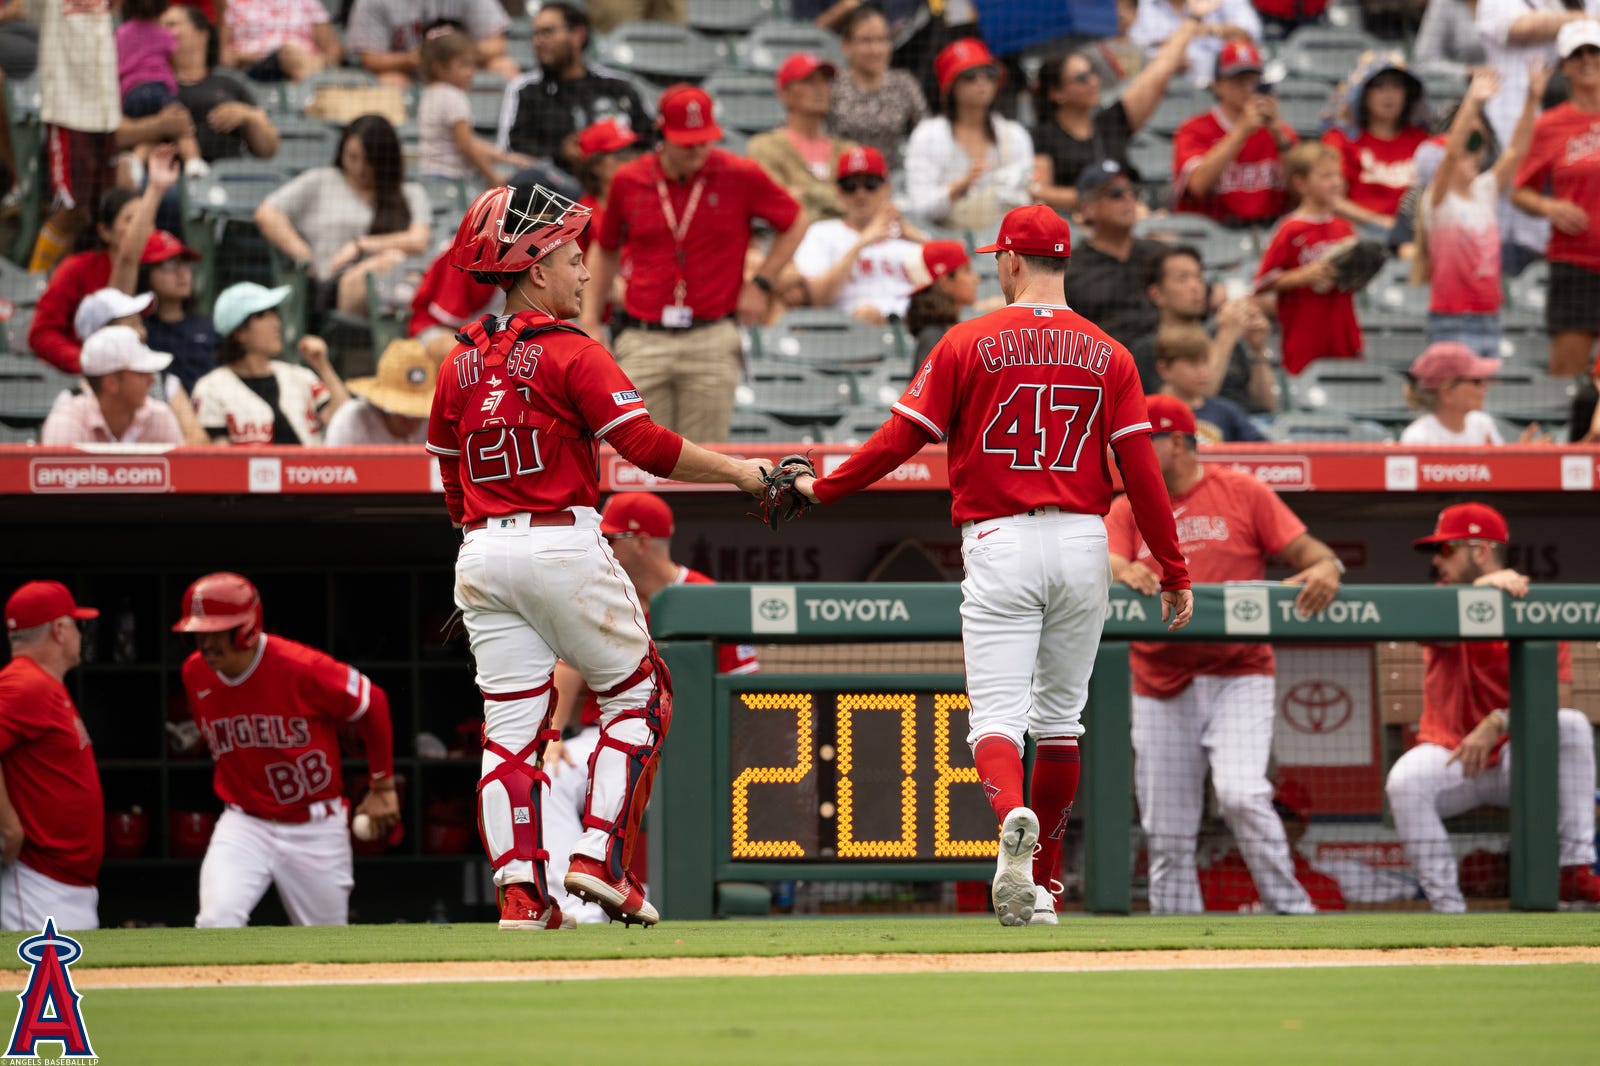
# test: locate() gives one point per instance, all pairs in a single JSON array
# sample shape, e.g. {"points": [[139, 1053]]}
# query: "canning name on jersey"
{"points": [[502, 424], [1020, 438], [273, 730]]}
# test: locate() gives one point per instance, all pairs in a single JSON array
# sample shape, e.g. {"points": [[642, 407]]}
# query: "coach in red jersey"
{"points": [[685, 213], [1200, 705], [520, 410], [1227, 159], [1028, 398], [52, 815], [270, 710]]}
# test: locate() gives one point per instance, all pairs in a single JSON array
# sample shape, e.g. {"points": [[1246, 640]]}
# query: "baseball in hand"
{"points": [[363, 827]]}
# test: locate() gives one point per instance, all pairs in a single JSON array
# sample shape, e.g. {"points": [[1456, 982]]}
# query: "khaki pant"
{"points": [[607, 15], [687, 377]]}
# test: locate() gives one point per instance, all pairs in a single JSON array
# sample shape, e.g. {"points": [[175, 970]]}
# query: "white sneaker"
{"points": [[1012, 889], [1044, 904]]}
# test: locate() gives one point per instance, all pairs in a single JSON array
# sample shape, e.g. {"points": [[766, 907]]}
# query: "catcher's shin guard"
{"points": [[622, 767], [510, 790]]}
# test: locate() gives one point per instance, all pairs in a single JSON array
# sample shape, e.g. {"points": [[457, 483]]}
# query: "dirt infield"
{"points": [[800, 965]]}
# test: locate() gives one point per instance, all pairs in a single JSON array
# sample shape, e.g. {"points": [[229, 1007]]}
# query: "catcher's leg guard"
{"points": [[510, 789]]}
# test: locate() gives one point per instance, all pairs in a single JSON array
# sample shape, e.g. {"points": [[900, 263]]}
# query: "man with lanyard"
{"points": [[685, 213]]}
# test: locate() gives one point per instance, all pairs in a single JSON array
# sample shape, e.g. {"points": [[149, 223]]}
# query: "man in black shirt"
{"points": [[545, 109], [1106, 278]]}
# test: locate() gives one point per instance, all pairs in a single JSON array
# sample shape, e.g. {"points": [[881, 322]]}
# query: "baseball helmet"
{"points": [[507, 230], [219, 602]]}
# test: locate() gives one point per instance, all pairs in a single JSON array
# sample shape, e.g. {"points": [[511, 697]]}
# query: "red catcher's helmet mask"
{"points": [[507, 230], [219, 602]]}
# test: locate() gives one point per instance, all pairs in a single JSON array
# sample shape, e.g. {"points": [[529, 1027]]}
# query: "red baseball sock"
{"points": [[1055, 785], [1000, 769]]}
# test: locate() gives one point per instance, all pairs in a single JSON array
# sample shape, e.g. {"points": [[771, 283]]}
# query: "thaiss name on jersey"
{"points": [[255, 731]]}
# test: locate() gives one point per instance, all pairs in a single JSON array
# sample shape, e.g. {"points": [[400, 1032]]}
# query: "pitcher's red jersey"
{"points": [[1028, 397], [273, 731], [523, 415]]}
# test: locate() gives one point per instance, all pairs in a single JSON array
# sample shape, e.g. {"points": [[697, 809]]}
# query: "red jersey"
{"points": [[50, 774], [518, 421], [1378, 172], [274, 730], [1565, 158], [1463, 682], [447, 297], [52, 335], [1250, 188], [731, 658], [1029, 397], [714, 208], [1228, 524], [1315, 325]]}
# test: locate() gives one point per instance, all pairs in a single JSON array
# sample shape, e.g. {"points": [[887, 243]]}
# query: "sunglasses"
{"points": [[612, 538], [1117, 192], [990, 73], [853, 185], [1084, 78], [1450, 547], [1583, 52]]}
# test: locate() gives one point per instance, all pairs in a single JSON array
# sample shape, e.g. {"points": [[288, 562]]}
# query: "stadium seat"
{"points": [[1179, 105], [1527, 394], [297, 95], [1526, 344], [27, 147], [733, 16], [1221, 248], [389, 295], [17, 435], [485, 102], [795, 394], [661, 52], [19, 285], [1325, 53], [28, 389], [745, 102], [857, 424], [302, 143], [760, 427], [1296, 427], [1151, 156], [1301, 104], [1356, 389], [765, 48], [1396, 348], [1528, 291], [826, 339]]}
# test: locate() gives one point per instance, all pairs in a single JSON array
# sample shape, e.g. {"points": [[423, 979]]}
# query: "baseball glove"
{"points": [[782, 501], [1357, 262]]}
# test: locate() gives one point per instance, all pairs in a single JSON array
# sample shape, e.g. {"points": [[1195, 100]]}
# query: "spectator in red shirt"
{"points": [[446, 300], [1316, 319], [1462, 759], [604, 147], [52, 814], [1227, 160], [1565, 158], [1382, 122], [685, 214]]}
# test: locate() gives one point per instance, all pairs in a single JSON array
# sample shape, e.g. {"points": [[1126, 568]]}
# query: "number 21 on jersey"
{"points": [[1036, 421]]}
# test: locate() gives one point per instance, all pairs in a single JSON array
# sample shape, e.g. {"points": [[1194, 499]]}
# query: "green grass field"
{"points": [[1510, 1015]]}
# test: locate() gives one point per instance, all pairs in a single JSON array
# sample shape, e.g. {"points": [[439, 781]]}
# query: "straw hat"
{"points": [[404, 382]]}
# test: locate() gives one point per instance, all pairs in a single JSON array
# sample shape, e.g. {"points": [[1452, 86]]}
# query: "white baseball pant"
{"points": [[309, 862], [530, 595], [1033, 602], [563, 822], [1226, 723], [28, 897], [1425, 788]]}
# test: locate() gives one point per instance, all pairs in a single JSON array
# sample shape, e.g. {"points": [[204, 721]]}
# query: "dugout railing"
{"points": [[710, 825]]}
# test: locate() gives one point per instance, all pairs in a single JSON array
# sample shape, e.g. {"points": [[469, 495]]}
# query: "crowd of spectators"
{"points": [[887, 168]]}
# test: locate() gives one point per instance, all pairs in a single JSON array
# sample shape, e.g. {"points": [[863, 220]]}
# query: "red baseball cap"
{"points": [[38, 602], [1032, 230], [1293, 796], [163, 246], [687, 117], [1168, 414], [636, 512], [607, 135], [801, 66], [863, 160], [1466, 521], [958, 57], [935, 260], [1237, 57]]}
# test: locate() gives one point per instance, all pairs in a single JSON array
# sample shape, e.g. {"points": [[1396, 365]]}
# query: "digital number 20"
{"points": [[1039, 420]]}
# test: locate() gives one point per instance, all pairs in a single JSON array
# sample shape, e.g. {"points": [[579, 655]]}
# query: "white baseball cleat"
{"points": [[1012, 889], [1044, 904]]}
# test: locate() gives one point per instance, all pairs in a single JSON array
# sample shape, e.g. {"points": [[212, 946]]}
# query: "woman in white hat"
{"points": [[393, 406], [254, 397]]}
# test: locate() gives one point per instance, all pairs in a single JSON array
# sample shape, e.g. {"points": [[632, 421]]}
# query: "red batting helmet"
{"points": [[219, 602], [507, 230]]}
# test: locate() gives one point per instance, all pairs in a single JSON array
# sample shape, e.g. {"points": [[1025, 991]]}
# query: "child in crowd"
{"points": [[946, 285], [1459, 245], [1183, 362], [1448, 382], [145, 77], [448, 147], [1317, 320]]}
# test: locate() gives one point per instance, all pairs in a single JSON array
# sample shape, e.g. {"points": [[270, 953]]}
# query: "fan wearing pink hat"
{"points": [[1448, 382], [857, 263], [801, 155], [968, 165]]}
